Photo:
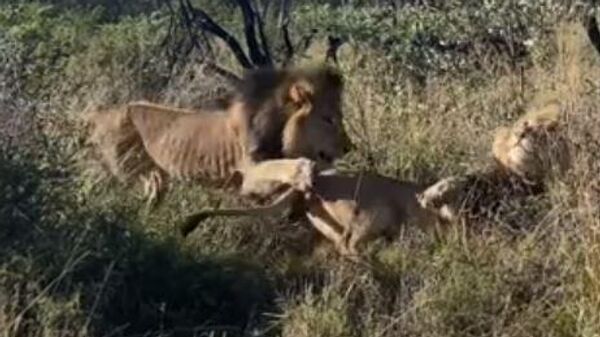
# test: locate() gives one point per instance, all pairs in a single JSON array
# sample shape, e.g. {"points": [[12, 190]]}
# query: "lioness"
{"points": [[347, 210], [277, 118]]}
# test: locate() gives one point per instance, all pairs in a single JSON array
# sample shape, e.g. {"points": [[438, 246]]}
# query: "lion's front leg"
{"points": [[153, 185], [266, 178]]}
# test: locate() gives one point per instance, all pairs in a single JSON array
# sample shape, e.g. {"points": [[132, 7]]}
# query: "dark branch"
{"points": [[308, 39], [188, 16], [193, 28], [188, 23], [206, 23], [171, 37], [248, 14], [287, 41], [172, 24], [591, 26], [333, 44], [226, 74], [261, 33], [284, 21]]}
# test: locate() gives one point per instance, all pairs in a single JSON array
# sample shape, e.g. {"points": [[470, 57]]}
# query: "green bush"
{"points": [[62, 53], [452, 36], [46, 38]]}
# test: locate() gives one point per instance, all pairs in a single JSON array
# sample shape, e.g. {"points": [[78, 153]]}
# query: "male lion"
{"points": [[476, 195], [525, 154], [275, 122], [347, 210], [534, 146]]}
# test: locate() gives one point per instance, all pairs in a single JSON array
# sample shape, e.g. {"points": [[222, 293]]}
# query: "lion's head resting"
{"points": [[533, 145], [295, 113]]}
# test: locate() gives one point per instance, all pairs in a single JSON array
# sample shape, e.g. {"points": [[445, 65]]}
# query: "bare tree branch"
{"points": [[261, 33], [307, 40], [333, 44], [256, 55], [195, 23], [206, 23], [591, 26], [188, 18], [284, 21], [226, 74], [172, 24]]}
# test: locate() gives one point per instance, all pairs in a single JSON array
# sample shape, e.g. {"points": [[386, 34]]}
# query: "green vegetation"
{"points": [[80, 256]]}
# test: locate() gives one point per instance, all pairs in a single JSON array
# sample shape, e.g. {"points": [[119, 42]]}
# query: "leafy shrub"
{"points": [[454, 35], [46, 39]]}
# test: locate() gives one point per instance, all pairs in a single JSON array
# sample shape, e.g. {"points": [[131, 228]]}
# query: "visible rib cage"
{"points": [[155, 142], [184, 144]]}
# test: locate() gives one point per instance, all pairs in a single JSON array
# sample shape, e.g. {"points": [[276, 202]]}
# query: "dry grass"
{"points": [[541, 281]]}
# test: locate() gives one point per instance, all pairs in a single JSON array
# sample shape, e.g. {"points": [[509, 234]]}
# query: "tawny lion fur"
{"points": [[275, 114], [534, 147], [527, 154], [347, 210], [350, 210]]}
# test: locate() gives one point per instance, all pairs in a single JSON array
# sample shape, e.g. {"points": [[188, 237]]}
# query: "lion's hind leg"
{"points": [[335, 232], [325, 227]]}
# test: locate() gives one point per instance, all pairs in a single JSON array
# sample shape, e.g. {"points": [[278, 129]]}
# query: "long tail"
{"points": [[192, 221]]}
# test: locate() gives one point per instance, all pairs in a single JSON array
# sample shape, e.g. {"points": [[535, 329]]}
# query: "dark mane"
{"points": [[262, 91], [484, 193], [260, 87]]}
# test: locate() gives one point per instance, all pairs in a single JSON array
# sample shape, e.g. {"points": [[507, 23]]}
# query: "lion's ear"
{"points": [[300, 93]]}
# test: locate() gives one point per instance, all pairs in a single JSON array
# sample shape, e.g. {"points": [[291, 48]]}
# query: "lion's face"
{"points": [[514, 150], [530, 150], [314, 129]]}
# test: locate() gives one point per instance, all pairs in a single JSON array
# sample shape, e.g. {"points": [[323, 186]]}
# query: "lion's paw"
{"points": [[303, 178]]}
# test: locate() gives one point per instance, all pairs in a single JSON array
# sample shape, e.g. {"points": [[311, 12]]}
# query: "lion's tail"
{"points": [[116, 143]]}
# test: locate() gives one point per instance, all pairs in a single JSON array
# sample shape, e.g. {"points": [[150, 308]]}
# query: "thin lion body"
{"points": [[292, 114]]}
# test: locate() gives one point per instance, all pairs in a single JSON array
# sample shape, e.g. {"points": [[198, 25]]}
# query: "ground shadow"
{"points": [[116, 281]]}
